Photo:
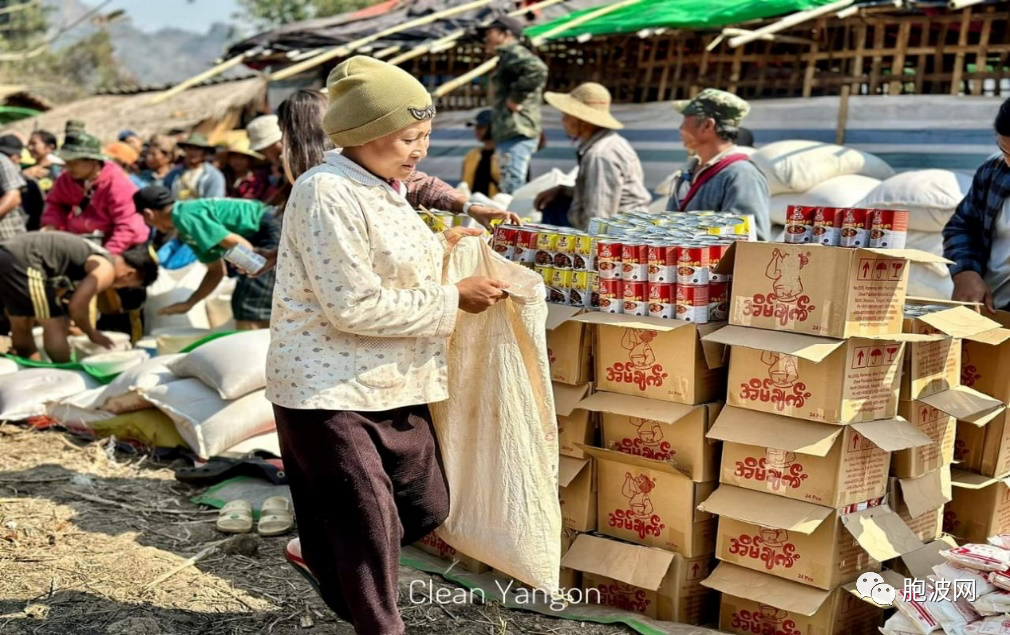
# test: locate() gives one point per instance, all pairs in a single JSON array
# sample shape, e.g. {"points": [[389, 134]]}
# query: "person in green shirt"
{"points": [[212, 226]]}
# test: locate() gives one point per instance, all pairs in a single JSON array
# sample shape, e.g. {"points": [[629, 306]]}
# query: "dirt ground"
{"points": [[87, 536]]}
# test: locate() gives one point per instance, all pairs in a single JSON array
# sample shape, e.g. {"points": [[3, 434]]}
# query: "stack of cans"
{"points": [[658, 265], [847, 227]]}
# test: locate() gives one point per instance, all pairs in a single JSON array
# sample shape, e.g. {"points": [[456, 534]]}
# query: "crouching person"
{"points": [[53, 277], [212, 226]]}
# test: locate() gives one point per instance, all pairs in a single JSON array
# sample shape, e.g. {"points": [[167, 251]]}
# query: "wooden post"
{"points": [[941, 44], [981, 56], [898, 67], [857, 64], [920, 69], [808, 79], [962, 40], [671, 51], [843, 115], [879, 29]]}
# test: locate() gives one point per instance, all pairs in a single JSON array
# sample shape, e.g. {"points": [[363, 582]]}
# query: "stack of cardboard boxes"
{"points": [[635, 461], [981, 492], [808, 432]]}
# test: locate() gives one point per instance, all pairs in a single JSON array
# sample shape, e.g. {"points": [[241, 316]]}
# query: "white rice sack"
{"points": [[26, 393], [79, 411], [123, 394], [798, 166], [953, 616], [930, 196], [950, 572], [219, 313], [898, 624], [840, 191], [928, 280], [82, 346], [207, 423], [995, 603], [268, 442], [234, 365], [917, 613], [8, 366], [978, 557], [175, 286], [999, 540], [999, 579], [998, 625], [523, 198]]}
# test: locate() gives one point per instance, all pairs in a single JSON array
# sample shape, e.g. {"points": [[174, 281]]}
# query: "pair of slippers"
{"points": [[276, 517]]}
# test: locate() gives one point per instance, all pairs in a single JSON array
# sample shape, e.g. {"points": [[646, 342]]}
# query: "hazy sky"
{"points": [[151, 15]]}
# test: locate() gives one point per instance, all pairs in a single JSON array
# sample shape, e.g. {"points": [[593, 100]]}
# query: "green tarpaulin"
{"points": [[678, 14]]}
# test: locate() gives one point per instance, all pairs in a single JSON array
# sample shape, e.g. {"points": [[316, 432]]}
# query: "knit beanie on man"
{"points": [[370, 99]]}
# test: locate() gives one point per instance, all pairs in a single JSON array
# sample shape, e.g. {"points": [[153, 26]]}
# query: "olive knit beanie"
{"points": [[370, 99]]}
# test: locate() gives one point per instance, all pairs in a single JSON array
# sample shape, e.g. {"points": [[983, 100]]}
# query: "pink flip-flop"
{"points": [[293, 554]]}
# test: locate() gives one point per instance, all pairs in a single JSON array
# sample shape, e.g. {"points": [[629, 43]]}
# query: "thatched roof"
{"points": [[106, 115]]}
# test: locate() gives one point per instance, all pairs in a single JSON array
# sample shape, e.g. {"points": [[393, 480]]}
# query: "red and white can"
{"points": [[663, 301], [826, 231], [611, 295], [505, 239], [718, 301], [635, 260], [693, 265], [854, 230], [888, 229], [608, 259], [662, 263], [526, 245], [636, 301], [799, 224], [715, 254], [692, 303]]}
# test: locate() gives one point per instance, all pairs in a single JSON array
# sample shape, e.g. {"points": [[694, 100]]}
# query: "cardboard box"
{"points": [[575, 426], [803, 542], [653, 582], [577, 494], [985, 448], [814, 378], [569, 345], [656, 359], [829, 465], [979, 507], [437, 547], [757, 603], [659, 430], [932, 367], [919, 563], [826, 291], [985, 360], [651, 503], [939, 426], [919, 502], [569, 578]]}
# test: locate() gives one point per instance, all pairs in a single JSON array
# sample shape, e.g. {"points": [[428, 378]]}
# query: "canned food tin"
{"points": [[662, 263], [584, 257], [635, 260], [505, 239], [245, 259], [662, 301], [635, 297], [546, 272], [561, 278], [715, 254], [692, 304], [608, 259], [692, 265], [566, 242], [827, 229], [598, 226], [888, 229], [581, 289], [558, 296], [799, 224], [547, 244], [718, 301], [611, 295], [526, 245], [854, 231], [593, 300]]}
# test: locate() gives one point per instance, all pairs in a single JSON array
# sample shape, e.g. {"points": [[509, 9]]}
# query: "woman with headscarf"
{"points": [[359, 345]]}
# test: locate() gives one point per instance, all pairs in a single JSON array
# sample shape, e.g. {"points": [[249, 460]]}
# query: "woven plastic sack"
{"points": [[8, 366], [234, 366], [150, 428], [929, 196], [123, 394], [175, 286], [80, 411], [498, 430], [26, 393], [798, 166]]}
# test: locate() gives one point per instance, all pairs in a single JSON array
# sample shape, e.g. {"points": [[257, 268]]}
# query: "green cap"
{"points": [[82, 146], [724, 107], [198, 140]]}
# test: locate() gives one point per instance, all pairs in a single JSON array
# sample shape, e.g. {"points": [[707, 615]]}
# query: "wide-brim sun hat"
{"points": [[241, 146], [82, 146], [264, 131], [589, 102], [197, 140]]}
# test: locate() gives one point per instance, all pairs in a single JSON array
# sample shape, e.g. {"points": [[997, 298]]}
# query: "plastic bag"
{"points": [[498, 429]]}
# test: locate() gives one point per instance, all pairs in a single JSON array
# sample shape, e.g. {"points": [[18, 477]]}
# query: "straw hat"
{"points": [[589, 102], [240, 145], [264, 131]]}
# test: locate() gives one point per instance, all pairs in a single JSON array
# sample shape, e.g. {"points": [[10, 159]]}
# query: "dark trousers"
{"points": [[363, 485]]}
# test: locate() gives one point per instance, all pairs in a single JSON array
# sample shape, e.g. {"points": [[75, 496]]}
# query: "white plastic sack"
{"points": [[82, 346], [207, 423], [498, 430], [268, 442], [522, 199], [840, 191], [898, 624], [234, 365], [123, 394], [929, 280], [8, 366], [798, 166], [26, 393], [219, 312], [175, 286], [79, 411], [930, 196]]}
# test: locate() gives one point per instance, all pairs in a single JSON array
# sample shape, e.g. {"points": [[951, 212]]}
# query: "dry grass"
{"points": [[84, 532]]}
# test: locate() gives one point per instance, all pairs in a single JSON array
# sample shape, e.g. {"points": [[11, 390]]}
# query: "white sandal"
{"points": [[276, 517]]}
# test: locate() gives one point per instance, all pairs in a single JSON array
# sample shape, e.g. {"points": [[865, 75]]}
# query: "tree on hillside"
{"points": [[272, 13]]}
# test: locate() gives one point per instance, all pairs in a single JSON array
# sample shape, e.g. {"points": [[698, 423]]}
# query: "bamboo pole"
{"points": [[340, 51], [788, 21], [785, 39], [386, 52], [452, 85], [843, 114], [202, 77]]}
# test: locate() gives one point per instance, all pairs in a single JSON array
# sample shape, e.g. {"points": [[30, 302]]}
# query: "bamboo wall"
{"points": [[874, 52]]}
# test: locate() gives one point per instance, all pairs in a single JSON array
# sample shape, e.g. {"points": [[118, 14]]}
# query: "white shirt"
{"points": [[360, 318], [997, 274]]}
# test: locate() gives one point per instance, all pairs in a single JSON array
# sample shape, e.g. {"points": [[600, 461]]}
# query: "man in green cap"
{"points": [[718, 177], [197, 177]]}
